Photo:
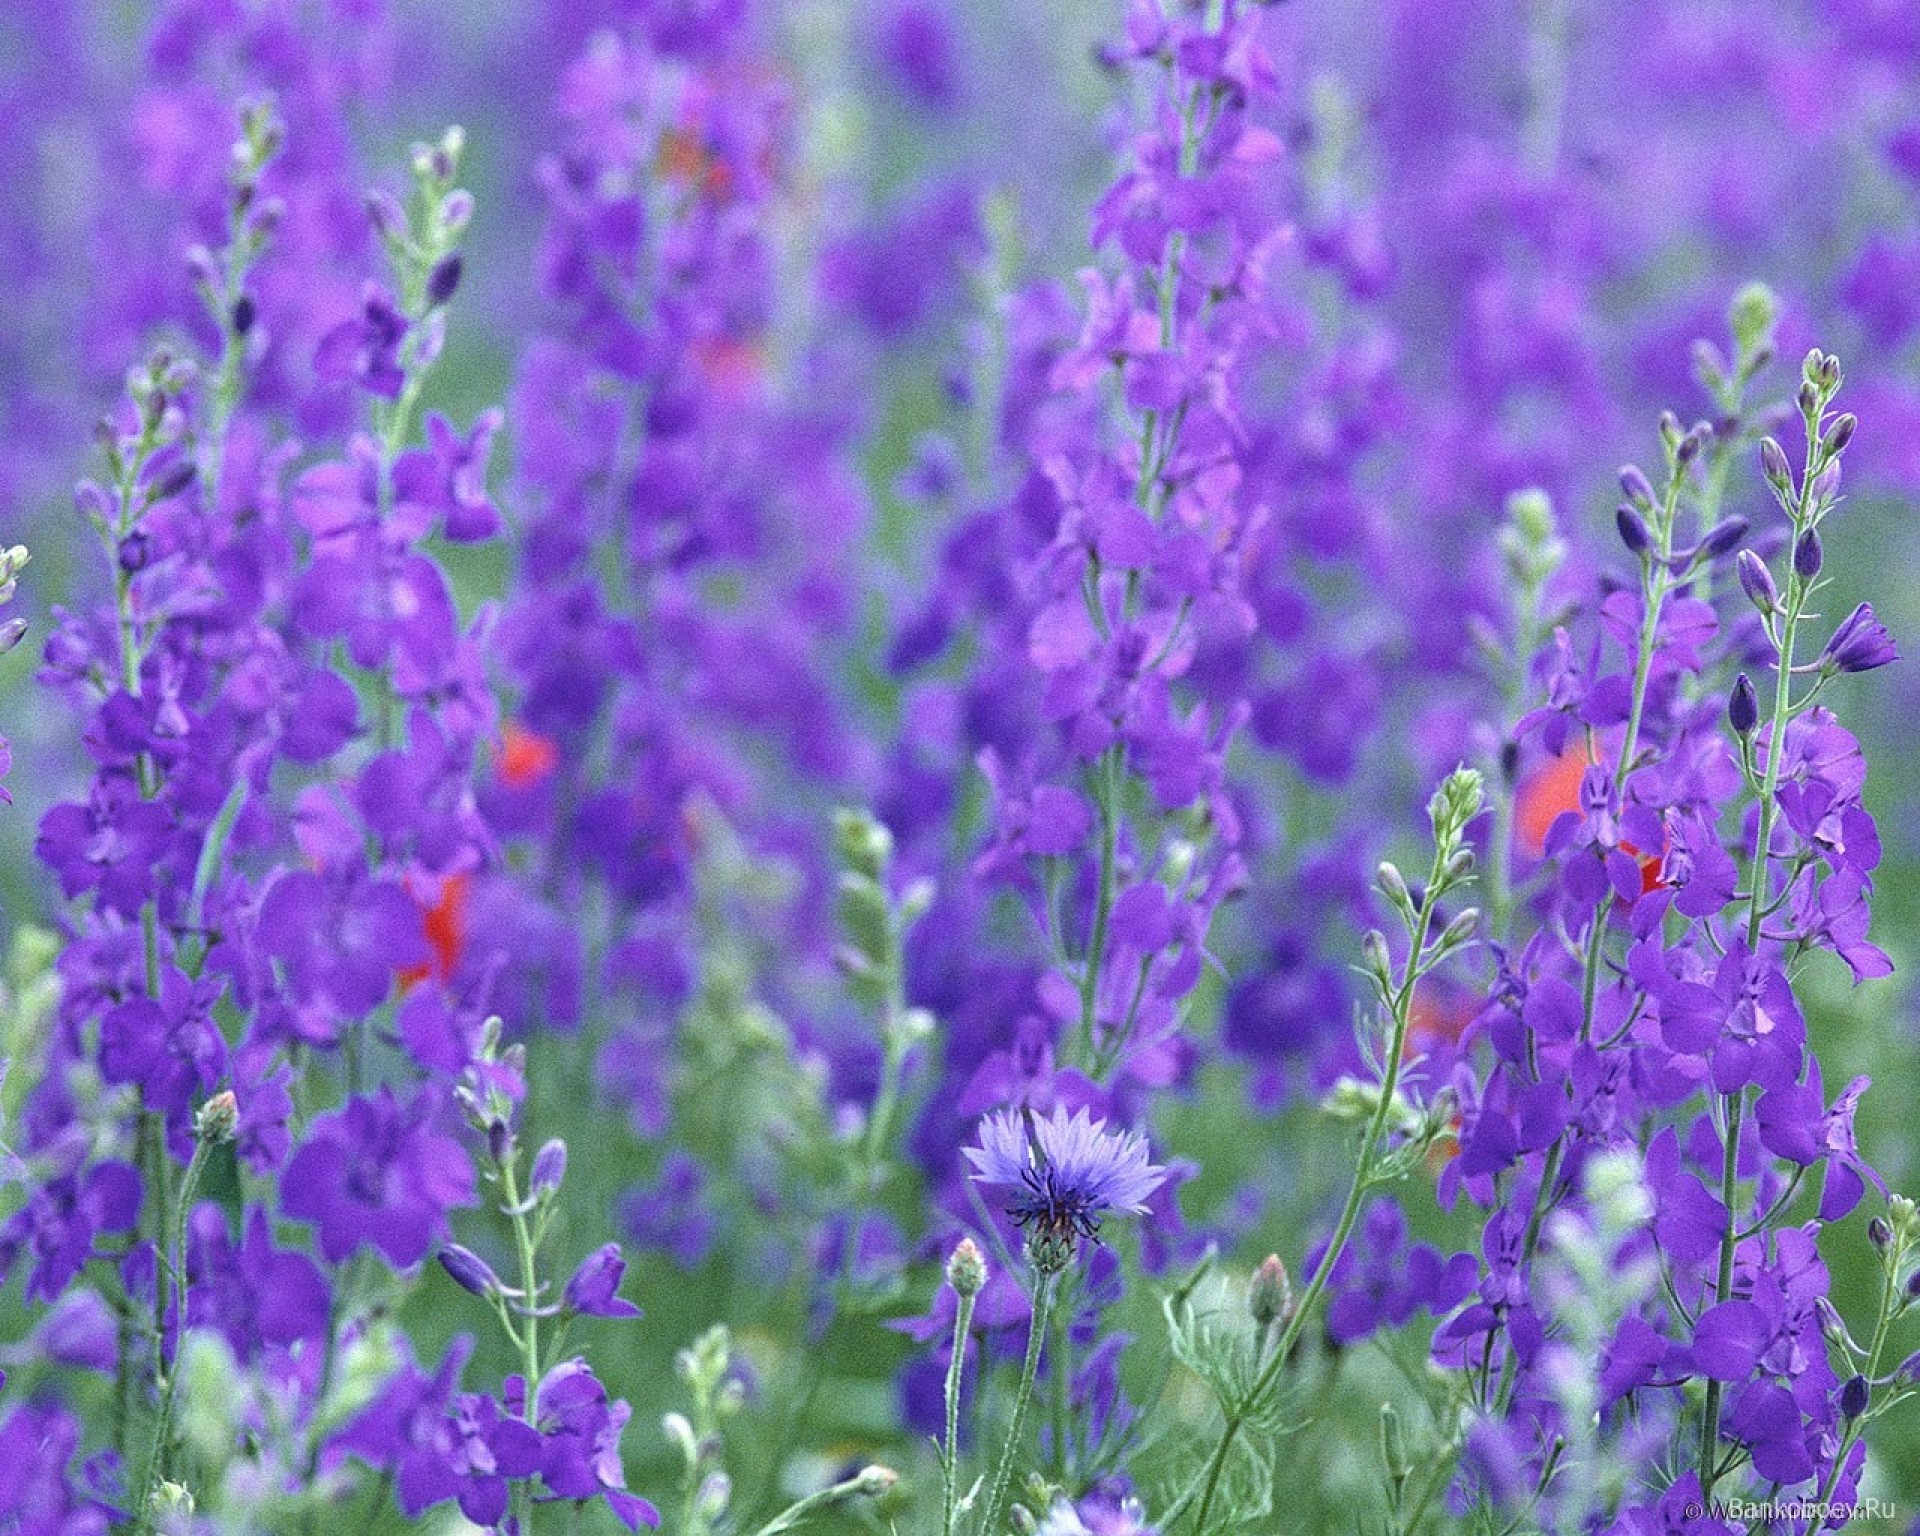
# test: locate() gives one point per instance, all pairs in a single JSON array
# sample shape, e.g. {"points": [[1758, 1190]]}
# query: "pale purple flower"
{"points": [[1069, 1170]]}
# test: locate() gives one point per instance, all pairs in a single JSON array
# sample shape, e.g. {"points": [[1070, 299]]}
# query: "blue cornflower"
{"points": [[1069, 1172]]}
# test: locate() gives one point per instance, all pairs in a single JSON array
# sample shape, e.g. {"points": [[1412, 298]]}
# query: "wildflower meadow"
{"points": [[959, 767]]}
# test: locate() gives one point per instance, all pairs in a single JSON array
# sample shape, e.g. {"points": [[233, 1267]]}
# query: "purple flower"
{"points": [[342, 939], [261, 1297], [595, 1286], [377, 1172], [1860, 644], [366, 348], [448, 478], [1068, 1171]]}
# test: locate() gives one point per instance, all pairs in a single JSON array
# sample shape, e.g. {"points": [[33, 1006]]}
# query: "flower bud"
{"points": [[1757, 582], [875, 1480], [1461, 928], [11, 633], [1807, 555], [218, 1118], [469, 1271], [1393, 884], [1633, 530], [1373, 949], [1838, 436], [549, 1168], [1270, 1296], [967, 1268], [1743, 707], [1697, 438], [1880, 1233], [173, 482], [242, 315], [1723, 536], [1633, 480], [1853, 1397], [443, 280], [1774, 465], [1393, 1445], [384, 212], [710, 1503]]}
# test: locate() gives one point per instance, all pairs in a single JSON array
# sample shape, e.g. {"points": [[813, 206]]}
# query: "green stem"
{"points": [[956, 1370], [1363, 1180], [175, 1259], [530, 1323], [990, 1523], [1735, 1103]]}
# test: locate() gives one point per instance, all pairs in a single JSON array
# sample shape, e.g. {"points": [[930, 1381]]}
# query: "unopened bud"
{"points": [[218, 1118], [1880, 1233], [173, 482], [1724, 535], [1757, 582], [1774, 465], [549, 1168], [1633, 530], [1270, 1296], [469, 1271], [1743, 707], [1393, 884], [710, 1503], [1853, 1397], [1461, 928], [1838, 436], [875, 1480], [1808, 557], [1633, 480], [1373, 949], [443, 280], [967, 1268]]}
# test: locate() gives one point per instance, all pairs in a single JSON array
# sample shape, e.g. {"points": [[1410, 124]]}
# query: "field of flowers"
{"points": [[959, 767]]}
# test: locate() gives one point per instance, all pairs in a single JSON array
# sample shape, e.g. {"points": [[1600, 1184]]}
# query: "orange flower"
{"points": [[684, 158], [446, 925], [524, 757], [1549, 792], [1437, 1016]]}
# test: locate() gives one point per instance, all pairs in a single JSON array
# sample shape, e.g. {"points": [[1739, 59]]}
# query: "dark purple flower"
{"points": [[366, 348], [595, 1286], [447, 479], [1860, 644], [377, 1172]]}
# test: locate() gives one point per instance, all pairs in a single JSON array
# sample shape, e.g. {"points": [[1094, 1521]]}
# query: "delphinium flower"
{"points": [[241, 856], [552, 1433], [676, 724], [1654, 1008]]}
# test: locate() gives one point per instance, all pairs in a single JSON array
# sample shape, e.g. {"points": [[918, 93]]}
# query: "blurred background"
{"points": [[1512, 221]]}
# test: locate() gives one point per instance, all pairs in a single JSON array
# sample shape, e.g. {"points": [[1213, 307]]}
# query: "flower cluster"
{"points": [[1010, 780]]}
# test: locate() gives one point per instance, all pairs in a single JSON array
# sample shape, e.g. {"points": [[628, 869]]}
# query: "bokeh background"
{"points": [[1512, 221]]}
